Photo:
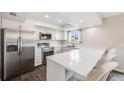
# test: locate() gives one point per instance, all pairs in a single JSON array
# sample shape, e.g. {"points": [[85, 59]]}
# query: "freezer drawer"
{"points": [[27, 59]]}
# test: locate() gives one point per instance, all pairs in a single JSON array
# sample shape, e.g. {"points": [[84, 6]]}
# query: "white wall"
{"points": [[111, 34]]}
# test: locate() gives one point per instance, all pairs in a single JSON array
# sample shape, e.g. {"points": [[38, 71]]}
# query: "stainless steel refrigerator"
{"points": [[17, 53]]}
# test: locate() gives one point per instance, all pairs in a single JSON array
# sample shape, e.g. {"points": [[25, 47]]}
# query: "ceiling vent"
{"points": [[12, 14]]}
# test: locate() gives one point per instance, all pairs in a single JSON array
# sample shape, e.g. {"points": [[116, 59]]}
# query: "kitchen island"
{"points": [[80, 61]]}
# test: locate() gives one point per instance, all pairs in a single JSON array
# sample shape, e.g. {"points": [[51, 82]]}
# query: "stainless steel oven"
{"points": [[46, 50], [45, 54]]}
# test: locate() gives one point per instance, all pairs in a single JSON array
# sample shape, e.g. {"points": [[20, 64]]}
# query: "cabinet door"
{"points": [[59, 35], [38, 56]]}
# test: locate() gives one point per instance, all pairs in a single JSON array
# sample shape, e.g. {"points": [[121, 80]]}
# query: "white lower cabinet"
{"points": [[38, 56]]}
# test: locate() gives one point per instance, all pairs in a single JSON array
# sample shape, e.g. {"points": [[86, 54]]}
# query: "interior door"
{"points": [[27, 58]]}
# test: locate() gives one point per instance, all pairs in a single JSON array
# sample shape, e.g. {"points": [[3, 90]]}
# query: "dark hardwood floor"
{"points": [[38, 74]]}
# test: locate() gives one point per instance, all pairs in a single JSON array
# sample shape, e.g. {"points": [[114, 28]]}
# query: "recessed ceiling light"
{"points": [[47, 16], [89, 25], [81, 20], [59, 20]]}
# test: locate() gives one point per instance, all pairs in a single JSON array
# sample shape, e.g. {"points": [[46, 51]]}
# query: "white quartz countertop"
{"points": [[80, 61]]}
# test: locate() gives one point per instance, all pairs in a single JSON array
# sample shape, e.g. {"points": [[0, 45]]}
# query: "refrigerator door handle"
{"points": [[18, 46]]}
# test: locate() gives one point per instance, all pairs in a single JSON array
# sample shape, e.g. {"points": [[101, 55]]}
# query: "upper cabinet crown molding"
{"points": [[16, 30]]}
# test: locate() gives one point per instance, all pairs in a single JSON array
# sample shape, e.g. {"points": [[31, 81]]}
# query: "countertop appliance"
{"points": [[17, 54]]}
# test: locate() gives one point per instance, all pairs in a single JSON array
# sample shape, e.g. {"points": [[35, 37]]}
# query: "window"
{"points": [[74, 37]]}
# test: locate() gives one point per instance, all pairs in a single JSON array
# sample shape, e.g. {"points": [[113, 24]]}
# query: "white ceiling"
{"points": [[109, 14], [69, 19], [19, 16]]}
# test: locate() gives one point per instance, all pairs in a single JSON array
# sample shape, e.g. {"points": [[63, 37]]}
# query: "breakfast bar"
{"points": [[80, 62]]}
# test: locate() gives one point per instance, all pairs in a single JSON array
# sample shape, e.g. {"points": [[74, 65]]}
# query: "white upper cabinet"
{"points": [[57, 35]]}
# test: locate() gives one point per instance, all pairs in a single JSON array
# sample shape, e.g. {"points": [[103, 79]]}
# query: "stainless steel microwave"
{"points": [[44, 36]]}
